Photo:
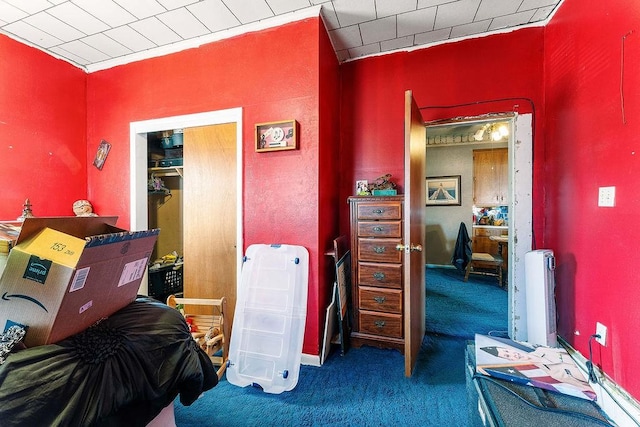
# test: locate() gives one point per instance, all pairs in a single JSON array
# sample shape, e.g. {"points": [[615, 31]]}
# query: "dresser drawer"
{"points": [[381, 275], [385, 324], [379, 250], [391, 210], [380, 228], [377, 299]]}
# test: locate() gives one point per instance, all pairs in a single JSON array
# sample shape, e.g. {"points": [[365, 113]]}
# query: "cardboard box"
{"points": [[66, 273]]}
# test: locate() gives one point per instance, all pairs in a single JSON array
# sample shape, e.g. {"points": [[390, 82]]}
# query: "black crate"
{"points": [[165, 281]]}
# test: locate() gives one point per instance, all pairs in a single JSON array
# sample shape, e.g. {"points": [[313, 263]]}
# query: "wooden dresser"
{"points": [[377, 285]]}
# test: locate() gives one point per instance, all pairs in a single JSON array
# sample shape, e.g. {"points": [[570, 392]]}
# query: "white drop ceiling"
{"points": [[98, 34]]}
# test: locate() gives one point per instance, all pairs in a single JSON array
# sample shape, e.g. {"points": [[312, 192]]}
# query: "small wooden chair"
{"points": [[485, 263], [210, 331]]}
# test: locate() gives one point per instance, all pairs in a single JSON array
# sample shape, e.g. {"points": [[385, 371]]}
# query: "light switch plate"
{"points": [[607, 196]]}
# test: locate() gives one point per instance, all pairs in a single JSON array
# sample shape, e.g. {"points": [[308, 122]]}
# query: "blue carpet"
{"points": [[462, 309], [367, 386]]}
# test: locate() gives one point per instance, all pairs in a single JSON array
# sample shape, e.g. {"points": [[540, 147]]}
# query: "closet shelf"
{"points": [[167, 171]]}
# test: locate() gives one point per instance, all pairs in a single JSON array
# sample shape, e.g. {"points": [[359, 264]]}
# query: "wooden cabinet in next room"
{"points": [[377, 285], [490, 177]]}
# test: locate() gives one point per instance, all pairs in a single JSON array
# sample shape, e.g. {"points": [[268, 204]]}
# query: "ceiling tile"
{"points": [[493, 8], [184, 23], [345, 38], [542, 14], [249, 10], [30, 6], [511, 20], [54, 26], [469, 29], [369, 49], [456, 13], [532, 4], [84, 51], [70, 56], [398, 43], [156, 31], [107, 11], [430, 3], [141, 8], [214, 14], [285, 6], [378, 30], [356, 27], [32, 34], [420, 21], [174, 4], [433, 36], [343, 55], [329, 16], [130, 38], [10, 13], [78, 18], [394, 7], [354, 11], [106, 45]]}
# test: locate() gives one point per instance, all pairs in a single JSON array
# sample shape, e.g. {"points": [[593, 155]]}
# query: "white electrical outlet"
{"points": [[602, 331], [607, 196]]}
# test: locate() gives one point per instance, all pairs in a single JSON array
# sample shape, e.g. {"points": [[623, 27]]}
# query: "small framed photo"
{"points": [[101, 154], [362, 188], [275, 136], [443, 191]]}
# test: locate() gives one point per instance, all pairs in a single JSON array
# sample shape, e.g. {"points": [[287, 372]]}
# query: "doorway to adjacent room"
{"points": [[446, 135]]}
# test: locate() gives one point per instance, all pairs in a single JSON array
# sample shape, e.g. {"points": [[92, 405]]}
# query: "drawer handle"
{"points": [[379, 249], [378, 275], [379, 300], [379, 324], [378, 211], [378, 229]]}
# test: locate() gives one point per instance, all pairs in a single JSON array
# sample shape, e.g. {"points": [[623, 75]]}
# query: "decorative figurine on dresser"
{"points": [[377, 285]]}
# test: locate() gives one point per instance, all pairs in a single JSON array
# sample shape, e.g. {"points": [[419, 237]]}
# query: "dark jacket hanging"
{"points": [[462, 252]]}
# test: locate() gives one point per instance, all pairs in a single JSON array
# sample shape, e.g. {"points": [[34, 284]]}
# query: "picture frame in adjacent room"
{"points": [[443, 191], [276, 136]]}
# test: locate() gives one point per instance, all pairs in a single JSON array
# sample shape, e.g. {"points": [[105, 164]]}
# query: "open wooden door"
{"points": [[415, 134], [209, 213]]}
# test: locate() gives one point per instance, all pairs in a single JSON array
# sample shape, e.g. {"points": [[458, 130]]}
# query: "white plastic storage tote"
{"points": [[270, 316]]}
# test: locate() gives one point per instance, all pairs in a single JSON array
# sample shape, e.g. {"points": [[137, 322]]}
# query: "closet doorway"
{"points": [[212, 173]]}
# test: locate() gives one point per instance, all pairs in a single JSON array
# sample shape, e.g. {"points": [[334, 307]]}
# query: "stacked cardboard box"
{"points": [[66, 273]]}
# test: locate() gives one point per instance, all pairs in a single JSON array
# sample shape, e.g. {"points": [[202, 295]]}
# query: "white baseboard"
{"points": [[310, 359], [617, 403]]}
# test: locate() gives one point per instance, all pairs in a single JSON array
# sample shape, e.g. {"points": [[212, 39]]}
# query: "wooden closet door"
{"points": [[210, 213]]}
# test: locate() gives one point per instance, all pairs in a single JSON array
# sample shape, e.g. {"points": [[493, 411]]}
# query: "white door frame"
{"points": [[520, 229], [139, 164], [520, 220]]}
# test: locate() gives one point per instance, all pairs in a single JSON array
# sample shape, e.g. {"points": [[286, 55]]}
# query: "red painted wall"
{"points": [[327, 184], [501, 73], [585, 137], [273, 75], [42, 132], [592, 59]]}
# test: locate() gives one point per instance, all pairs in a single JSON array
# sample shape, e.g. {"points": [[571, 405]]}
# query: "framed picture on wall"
{"points": [[275, 136], [443, 191]]}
